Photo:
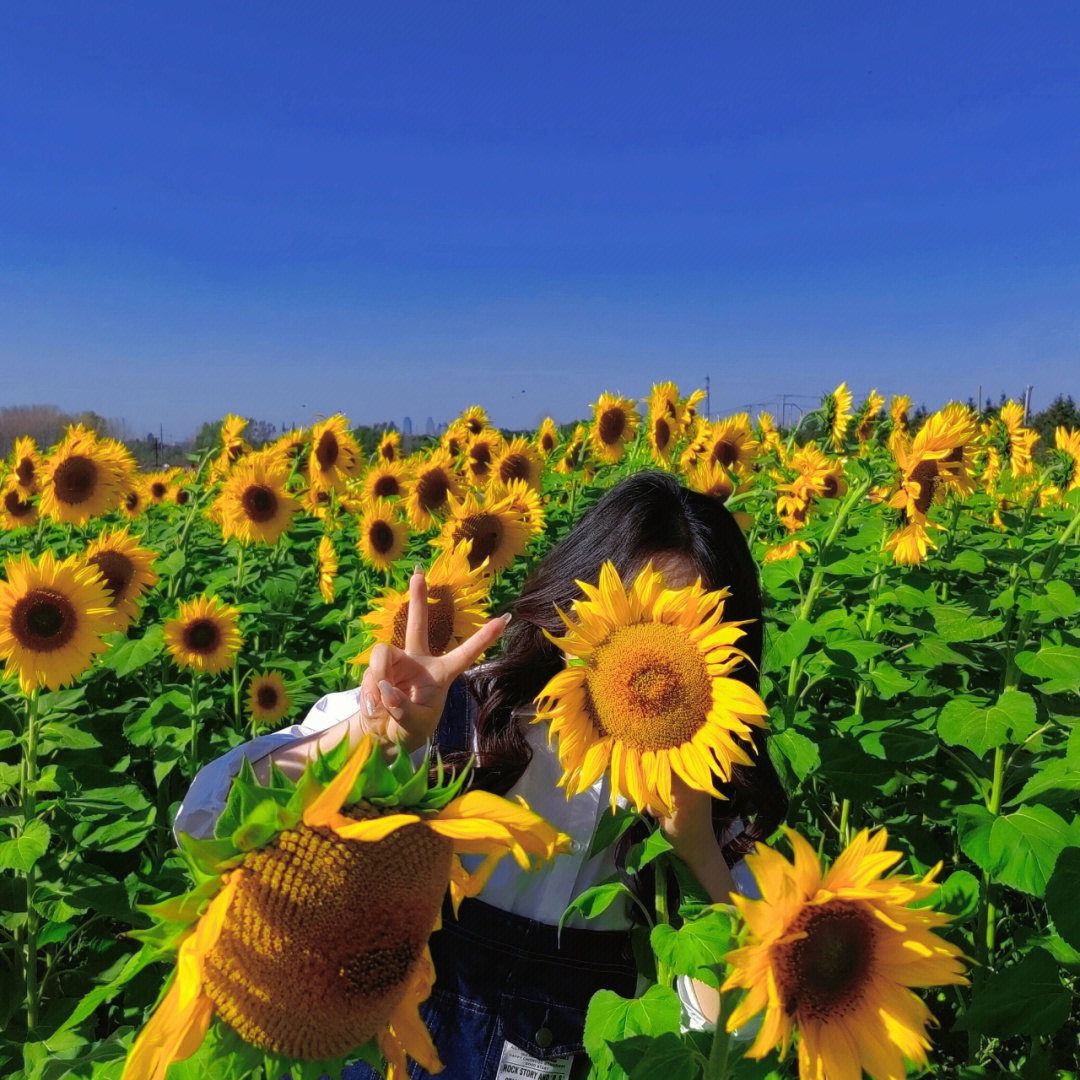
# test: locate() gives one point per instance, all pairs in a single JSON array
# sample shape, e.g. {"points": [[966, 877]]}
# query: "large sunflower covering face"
{"points": [[324, 891], [833, 955], [648, 690]]}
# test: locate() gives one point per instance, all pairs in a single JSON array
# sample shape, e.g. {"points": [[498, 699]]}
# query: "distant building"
{"points": [[406, 426], [429, 427]]}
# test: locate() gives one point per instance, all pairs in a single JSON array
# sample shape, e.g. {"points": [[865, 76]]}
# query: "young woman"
{"points": [[511, 993]]}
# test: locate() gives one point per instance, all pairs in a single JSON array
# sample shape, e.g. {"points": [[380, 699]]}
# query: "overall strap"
{"points": [[454, 731]]}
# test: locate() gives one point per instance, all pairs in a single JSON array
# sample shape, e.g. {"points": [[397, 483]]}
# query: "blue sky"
{"points": [[391, 209]]}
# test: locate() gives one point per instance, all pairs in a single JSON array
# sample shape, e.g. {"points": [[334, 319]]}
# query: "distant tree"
{"points": [[1062, 412]]}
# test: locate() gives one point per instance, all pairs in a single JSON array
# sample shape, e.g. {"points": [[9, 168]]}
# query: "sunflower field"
{"points": [[920, 684]]}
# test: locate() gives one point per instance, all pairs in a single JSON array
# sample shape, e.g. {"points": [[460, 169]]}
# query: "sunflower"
{"points": [[710, 478], [205, 635], [253, 503], [818, 475], [179, 494], [647, 690], [323, 891], [1068, 442], [16, 509], [474, 419], [496, 533], [156, 485], [730, 442], [911, 541], [52, 616], [133, 498], [457, 599], [936, 458], [454, 440], [389, 448], [125, 569], [82, 479], [1020, 441], [833, 956], [233, 447], [383, 535], [615, 420], [289, 450], [482, 451], [547, 437], [524, 501], [574, 454], [868, 417], [664, 401], [517, 460], [318, 504], [696, 447], [431, 484], [328, 568], [767, 436], [662, 435], [385, 480], [898, 412], [268, 698], [786, 550], [334, 454], [26, 465], [836, 414]]}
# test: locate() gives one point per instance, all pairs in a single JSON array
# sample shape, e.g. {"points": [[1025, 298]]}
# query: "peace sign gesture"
{"points": [[403, 691]]}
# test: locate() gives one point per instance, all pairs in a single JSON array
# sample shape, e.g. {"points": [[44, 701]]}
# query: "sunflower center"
{"points": [[260, 503], [341, 923], [386, 451], [25, 471], [440, 619], [381, 537], [648, 686], [611, 426], [661, 433], [158, 489], [547, 442], [453, 447], [117, 571], [75, 479], [514, 467], [43, 620], [432, 488], [386, 486], [267, 696], [202, 636], [131, 500], [831, 486], [925, 474], [15, 506], [726, 452], [326, 453], [821, 975], [486, 533], [182, 496]]}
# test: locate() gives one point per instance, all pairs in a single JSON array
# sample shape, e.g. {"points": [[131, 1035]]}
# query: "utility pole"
{"points": [[708, 400], [1027, 402], [978, 404]]}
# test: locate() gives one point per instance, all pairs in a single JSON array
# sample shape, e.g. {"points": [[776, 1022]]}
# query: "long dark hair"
{"points": [[644, 517]]}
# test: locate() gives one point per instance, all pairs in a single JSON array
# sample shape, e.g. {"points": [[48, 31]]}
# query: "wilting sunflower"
{"points": [[457, 600], [52, 616], [324, 891], [730, 442], [494, 529], [389, 448], [482, 451], [334, 455], [205, 635], [517, 460], [253, 503], [524, 501], [547, 437], [474, 418], [833, 956], [16, 509], [385, 480], [26, 465], [81, 479], [268, 697], [648, 690], [328, 568], [836, 414], [430, 486], [615, 420], [383, 535], [126, 570]]}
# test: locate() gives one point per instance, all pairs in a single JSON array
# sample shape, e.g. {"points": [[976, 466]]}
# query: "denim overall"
{"points": [[502, 977]]}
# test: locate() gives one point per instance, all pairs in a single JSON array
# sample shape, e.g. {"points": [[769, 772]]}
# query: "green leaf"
{"points": [[697, 948], [593, 901], [800, 752], [612, 1018], [932, 652], [968, 722], [132, 655], [1058, 602], [610, 828], [1023, 999], [958, 622], [1058, 774], [56, 735], [957, 895], [889, 681], [1059, 665], [25, 849], [1062, 891], [643, 853], [787, 647], [1017, 849], [646, 1057]]}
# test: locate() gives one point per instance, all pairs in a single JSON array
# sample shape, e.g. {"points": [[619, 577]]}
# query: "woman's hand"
{"points": [[403, 691], [689, 828]]}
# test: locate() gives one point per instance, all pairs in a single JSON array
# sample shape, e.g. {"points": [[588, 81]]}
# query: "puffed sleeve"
{"points": [[209, 790]]}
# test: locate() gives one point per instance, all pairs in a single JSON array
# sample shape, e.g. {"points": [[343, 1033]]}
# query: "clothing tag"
{"points": [[515, 1064]]}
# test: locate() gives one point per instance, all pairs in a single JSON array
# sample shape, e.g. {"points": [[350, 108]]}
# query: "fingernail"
{"points": [[369, 706], [386, 688], [417, 569], [507, 616]]}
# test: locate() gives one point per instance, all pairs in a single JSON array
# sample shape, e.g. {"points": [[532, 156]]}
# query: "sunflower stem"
{"points": [[719, 1051], [236, 689], [29, 810], [193, 741], [239, 570], [663, 975], [845, 810]]}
